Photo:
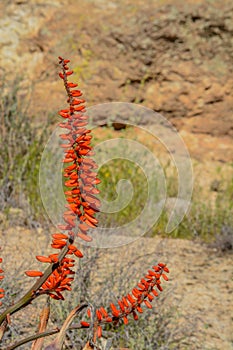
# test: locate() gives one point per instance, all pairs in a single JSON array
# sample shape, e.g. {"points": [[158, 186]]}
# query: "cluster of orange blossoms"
{"points": [[144, 293], [1, 289], [81, 181]]}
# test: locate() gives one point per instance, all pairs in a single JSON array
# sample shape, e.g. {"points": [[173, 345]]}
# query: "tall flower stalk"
{"points": [[81, 203], [131, 304], [81, 181], [78, 217]]}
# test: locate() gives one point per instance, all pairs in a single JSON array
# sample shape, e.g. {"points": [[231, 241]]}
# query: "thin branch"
{"points": [[41, 335], [58, 342]]}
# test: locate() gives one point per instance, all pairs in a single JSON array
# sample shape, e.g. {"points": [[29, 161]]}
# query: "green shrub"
{"points": [[20, 150]]}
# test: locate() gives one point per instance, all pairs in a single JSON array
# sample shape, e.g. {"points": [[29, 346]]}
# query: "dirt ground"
{"points": [[200, 281]]}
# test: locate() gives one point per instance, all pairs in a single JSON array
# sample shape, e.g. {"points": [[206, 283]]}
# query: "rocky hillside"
{"points": [[172, 56]]}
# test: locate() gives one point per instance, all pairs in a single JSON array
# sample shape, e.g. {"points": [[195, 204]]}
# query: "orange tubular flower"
{"points": [[144, 293], [81, 181]]}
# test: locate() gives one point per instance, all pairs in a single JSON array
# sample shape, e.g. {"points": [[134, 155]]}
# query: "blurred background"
{"points": [[174, 57]]}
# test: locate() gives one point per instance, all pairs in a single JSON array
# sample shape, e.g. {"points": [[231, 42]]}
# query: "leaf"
{"points": [[44, 317], [58, 342]]}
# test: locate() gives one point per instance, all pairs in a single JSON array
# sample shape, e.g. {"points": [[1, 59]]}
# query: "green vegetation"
{"points": [[210, 214], [20, 151], [111, 174], [21, 147]]}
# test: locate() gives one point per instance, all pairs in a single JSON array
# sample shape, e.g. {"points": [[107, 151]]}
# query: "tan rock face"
{"points": [[21, 32], [174, 59]]}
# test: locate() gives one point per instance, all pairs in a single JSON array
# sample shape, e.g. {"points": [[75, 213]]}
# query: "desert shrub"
{"points": [[111, 174], [223, 241], [205, 219], [208, 218], [20, 150]]}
